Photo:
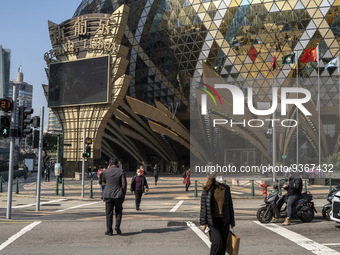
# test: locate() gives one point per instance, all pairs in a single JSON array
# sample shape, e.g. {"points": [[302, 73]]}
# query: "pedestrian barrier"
{"points": [[305, 186], [330, 185], [17, 186], [91, 190], [63, 188], [57, 186], [195, 191], [252, 188]]}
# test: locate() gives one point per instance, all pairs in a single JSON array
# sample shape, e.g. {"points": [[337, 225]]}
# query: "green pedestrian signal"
{"points": [[87, 153], [4, 132], [5, 126]]}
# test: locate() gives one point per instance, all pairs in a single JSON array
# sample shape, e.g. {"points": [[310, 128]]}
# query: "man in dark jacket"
{"points": [[114, 195], [294, 189], [138, 185]]}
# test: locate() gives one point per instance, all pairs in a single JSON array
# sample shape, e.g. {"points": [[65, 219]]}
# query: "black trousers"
{"points": [[110, 205], [138, 197], [218, 237], [187, 186], [156, 179]]}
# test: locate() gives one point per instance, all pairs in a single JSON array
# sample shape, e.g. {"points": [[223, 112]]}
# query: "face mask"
{"points": [[139, 174], [219, 179]]}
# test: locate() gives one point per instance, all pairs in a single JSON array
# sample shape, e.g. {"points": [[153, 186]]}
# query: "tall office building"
{"points": [[24, 90], [5, 64], [5, 61]]}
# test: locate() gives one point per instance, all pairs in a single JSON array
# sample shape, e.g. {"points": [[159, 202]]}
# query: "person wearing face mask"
{"points": [[217, 213], [138, 185]]}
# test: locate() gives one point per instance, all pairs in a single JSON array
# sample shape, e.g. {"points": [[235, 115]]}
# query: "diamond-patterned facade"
{"points": [[170, 39]]}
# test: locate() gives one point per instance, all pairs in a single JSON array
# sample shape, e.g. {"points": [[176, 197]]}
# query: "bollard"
{"points": [[57, 186], [305, 186], [252, 188], [63, 188], [195, 191], [330, 185], [0, 184], [17, 189], [91, 190]]}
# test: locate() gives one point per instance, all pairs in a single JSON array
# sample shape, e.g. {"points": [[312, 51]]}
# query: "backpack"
{"points": [[185, 174]]}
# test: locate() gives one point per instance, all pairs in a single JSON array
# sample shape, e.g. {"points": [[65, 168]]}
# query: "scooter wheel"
{"points": [[307, 214], [326, 213], [263, 215]]}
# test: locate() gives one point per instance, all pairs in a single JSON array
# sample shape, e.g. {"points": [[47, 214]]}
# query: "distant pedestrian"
{"points": [[156, 173], [47, 174], [114, 195], [141, 168], [61, 174], [25, 171], [100, 181], [217, 213], [186, 179], [138, 185]]}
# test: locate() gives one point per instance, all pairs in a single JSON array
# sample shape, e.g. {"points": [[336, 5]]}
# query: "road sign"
{"points": [[88, 140]]}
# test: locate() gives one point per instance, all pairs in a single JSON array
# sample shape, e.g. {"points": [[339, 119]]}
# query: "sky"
{"points": [[24, 30]]}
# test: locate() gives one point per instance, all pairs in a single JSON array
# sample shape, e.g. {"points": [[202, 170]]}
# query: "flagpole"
{"points": [[297, 111], [319, 108]]}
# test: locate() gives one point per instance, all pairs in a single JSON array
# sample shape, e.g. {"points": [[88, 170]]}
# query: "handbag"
{"points": [[233, 243]]}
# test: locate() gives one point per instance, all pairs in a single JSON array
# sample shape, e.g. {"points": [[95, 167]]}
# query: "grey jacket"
{"points": [[114, 180]]}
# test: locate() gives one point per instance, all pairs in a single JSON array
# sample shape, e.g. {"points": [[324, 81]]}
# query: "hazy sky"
{"points": [[24, 30]]}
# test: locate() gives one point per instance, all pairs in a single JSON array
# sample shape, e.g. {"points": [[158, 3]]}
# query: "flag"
{"points": [[309, 55], [333, 63], [288, 59], [274, 62]]}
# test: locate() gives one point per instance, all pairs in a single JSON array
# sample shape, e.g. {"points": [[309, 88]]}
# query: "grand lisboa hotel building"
{"points": [[159, 57]]}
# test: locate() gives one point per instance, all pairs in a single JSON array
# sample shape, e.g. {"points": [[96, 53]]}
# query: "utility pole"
{"points": [[11, 154], [41, 137], [83, 165]]}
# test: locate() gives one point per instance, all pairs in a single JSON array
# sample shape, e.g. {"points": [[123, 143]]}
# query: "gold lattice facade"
{"points": [[164, 49]]}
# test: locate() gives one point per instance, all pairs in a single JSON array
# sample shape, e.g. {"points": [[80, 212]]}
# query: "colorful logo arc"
{"points": [[210, 91]]}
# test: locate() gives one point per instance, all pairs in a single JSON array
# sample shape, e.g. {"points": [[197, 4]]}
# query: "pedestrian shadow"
{"points": [[156, 231]]}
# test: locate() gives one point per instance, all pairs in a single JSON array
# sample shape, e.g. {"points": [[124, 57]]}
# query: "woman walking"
{"points": [[186, 180], [217, 213]]}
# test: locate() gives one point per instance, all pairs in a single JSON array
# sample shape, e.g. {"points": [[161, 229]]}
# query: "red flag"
{"points": [[274, 62], [309, 55]]}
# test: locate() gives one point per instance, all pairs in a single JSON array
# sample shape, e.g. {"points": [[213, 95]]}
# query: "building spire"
{"points": [[20, 75]]}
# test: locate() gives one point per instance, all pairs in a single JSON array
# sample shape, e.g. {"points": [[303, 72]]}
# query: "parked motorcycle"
{"points": [[328, 207], [303, 208]]}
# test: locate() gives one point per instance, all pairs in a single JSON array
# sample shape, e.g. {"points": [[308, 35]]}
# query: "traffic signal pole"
{"points": [[11, 155], [83, 165], [41, 137]]}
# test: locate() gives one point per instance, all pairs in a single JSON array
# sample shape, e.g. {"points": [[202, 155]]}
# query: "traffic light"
{"points": [[25, 121], [35, 139], [36, 121], [87, 153], [5, 126]]}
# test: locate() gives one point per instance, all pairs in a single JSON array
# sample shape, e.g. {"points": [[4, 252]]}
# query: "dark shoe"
{"points": [[138, 209], [108, 233], [119, 232]]}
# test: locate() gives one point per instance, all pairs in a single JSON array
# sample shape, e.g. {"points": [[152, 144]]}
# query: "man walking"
{"points": [[114, 195], [138, 185], [156, 173]]}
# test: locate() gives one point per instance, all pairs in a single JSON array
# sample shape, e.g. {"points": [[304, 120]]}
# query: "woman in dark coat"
{"points": [[217, 213]]}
